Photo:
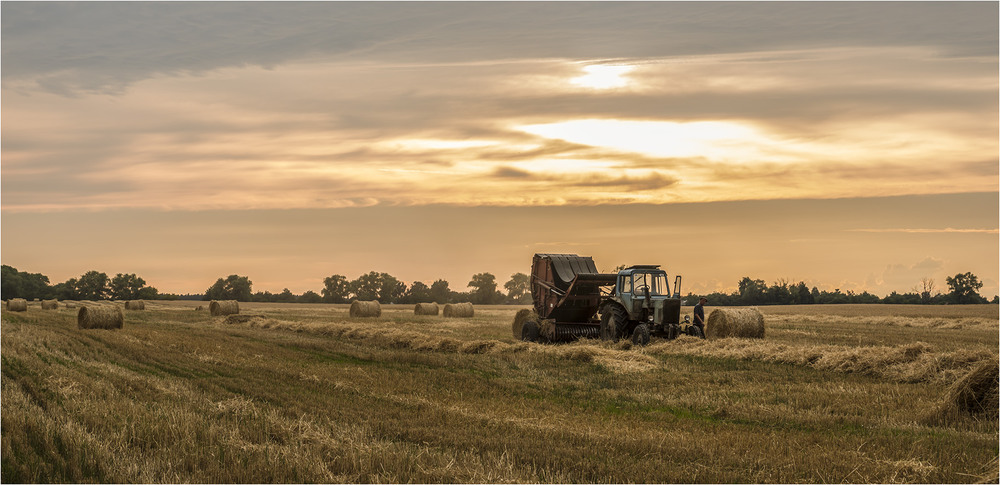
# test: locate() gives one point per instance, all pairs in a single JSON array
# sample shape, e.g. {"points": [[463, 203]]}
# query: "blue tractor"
{"points": [[573, 300]]}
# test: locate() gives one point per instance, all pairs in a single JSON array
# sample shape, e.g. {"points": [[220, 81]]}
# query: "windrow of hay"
{"points": [[221, 308], [17, 305], [914, 362], [135, 305], [614, 357], [365, 309], [735, 322], [50, 304], [459, 310], [244, 318], [425, 309], [100, 316]]}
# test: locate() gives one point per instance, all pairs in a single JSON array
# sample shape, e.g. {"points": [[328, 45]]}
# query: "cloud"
{"points": [[946, 230], [92, 47]]}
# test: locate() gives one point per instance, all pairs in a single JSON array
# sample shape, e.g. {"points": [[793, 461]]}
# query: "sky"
{"points": [[849, 145]]}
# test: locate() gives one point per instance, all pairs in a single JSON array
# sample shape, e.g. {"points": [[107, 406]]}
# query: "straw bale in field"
{"points": [[977, 392], [50, 304], [221, 308], [522, 316], [100, 316], [739, 322], [458, 310], [135, 305], [366, 309], [17, 305], [200, 308], [425, 309]]}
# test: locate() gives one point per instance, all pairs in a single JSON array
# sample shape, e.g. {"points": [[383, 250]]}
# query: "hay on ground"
{"points": [[365, 309], [17, 305], [425, 309], [100, 316], [977, 392], [738, 322], [458, 310], [244, 318], [50, 304], [135, 305], [222, 308]]}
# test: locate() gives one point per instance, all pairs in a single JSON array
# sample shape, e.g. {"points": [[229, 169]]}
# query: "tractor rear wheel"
{"points": [[613, 322], [640, 336], [529, 331]]}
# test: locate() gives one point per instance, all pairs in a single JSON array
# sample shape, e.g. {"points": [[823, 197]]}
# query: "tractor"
{"points": [[572, 300]]}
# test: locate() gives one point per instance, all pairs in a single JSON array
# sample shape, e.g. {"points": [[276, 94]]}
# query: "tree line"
{"points": [[383, 288], [483, 289], [963, 289]]}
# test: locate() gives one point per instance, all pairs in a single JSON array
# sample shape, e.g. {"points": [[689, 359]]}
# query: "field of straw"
{"points": [[305, 393]]}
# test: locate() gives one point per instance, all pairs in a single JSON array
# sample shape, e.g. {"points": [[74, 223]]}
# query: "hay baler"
{"points": [[569, 293]]}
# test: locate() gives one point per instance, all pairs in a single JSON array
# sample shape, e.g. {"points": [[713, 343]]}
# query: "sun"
{"points": [[603, 76]]}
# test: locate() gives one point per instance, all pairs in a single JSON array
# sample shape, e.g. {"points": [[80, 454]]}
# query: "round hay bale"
{"points": [[737, 322], [365, 309], [200, 308], [99, 316], [135, 305], [977, 392], [522, 316], [17, 305], [425, 309], [50, 304], [458, 310], [221, 308]]}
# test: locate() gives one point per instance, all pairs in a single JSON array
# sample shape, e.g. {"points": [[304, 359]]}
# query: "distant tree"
{"points": [[802, 294], [965, 288], [93, 285], [382, 287], [418, 293], [234, 287], [440, 292], [778, 293], [902, 299], [148, 293], [366, 287], [391, 290], [20, 284], [518, 289], [485, 292], [126, 286], [66, 290], [261, 296], [926, 289], [286, 296], [751, 291], [310, 297], [336, 289]]}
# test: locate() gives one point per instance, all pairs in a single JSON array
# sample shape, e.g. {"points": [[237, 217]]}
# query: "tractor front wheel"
{"points": [[640, 336]]}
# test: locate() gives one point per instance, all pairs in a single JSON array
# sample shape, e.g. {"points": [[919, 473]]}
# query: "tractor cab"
{"points": [[641, 297]]}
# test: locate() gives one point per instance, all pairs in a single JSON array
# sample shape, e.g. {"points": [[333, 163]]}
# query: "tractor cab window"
{"points": [[626, 284], [655, 284]]}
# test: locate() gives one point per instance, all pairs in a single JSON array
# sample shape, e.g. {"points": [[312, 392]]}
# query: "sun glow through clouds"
{"points": [[600, 76]]}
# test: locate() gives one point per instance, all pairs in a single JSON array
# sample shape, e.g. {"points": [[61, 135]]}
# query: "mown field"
{"points": [[303, 393]]}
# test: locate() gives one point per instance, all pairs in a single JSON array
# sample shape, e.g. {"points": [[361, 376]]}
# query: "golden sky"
{"points": [[849, 145]]}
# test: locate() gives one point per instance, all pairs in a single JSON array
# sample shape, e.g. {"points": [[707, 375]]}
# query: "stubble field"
{"points": [[304, 393]]}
